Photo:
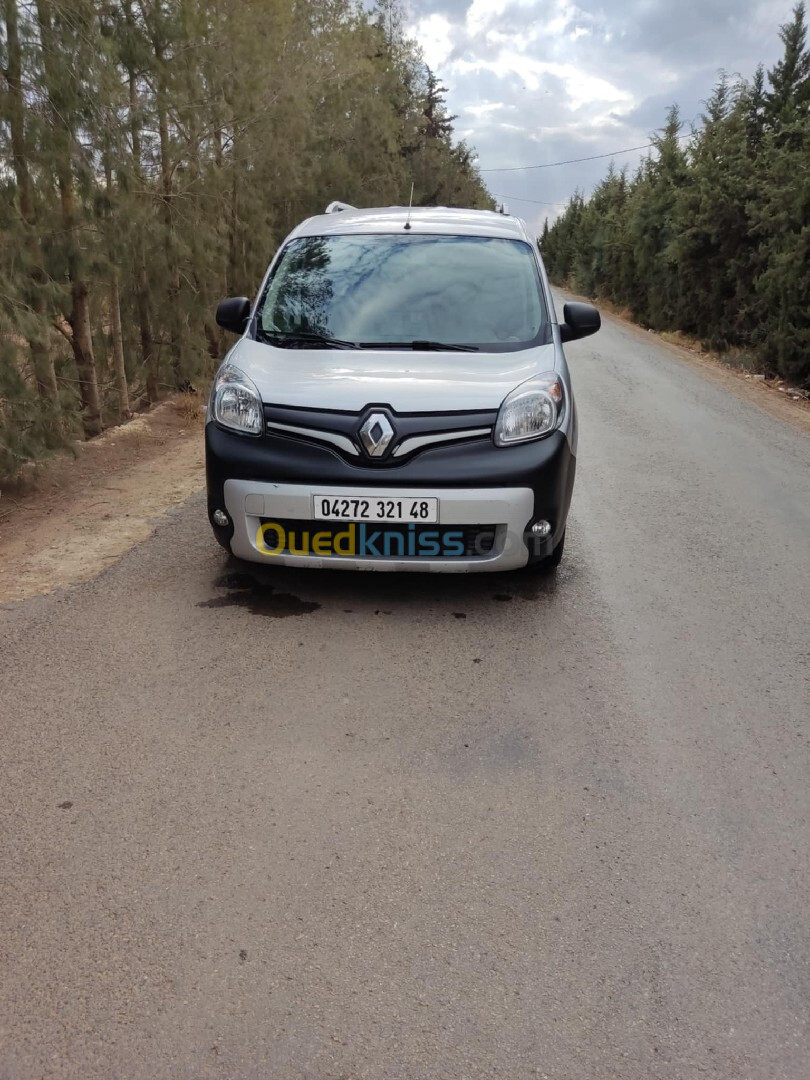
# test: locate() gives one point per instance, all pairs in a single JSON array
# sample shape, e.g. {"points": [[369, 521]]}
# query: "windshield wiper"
{"points": [[440, 346], [419, 346], [300, 338]]}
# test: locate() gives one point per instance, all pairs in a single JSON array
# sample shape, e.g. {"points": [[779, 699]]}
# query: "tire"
{"points": [[222, 537], [551, 562]]}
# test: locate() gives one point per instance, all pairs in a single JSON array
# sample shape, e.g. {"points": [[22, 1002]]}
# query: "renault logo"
{"points": [[376, 434]]}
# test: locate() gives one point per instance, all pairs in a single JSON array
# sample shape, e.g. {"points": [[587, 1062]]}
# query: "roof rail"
{"points": [[338, 207]]}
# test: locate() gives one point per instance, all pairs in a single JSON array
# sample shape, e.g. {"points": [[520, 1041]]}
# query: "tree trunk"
{"points": [[79, 318], [41, 353], [167, 185], [231, 273], [85, 359], [148, 352], [150, 360], [119, 367], [43, 366]]}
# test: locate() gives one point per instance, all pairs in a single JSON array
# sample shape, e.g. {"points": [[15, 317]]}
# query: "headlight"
{"points": [[532, 410], [235, 402]]}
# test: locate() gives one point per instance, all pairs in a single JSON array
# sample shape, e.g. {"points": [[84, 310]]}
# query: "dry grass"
{"points": [[178, 415], [191, 407], [614, 309], [675, 337]]}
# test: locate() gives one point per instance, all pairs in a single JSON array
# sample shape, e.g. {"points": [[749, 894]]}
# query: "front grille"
{"points": [[413, 432], [396, 539]]}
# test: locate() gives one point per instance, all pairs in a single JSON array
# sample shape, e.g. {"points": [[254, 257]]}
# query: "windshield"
{"points": [[391, 290]]}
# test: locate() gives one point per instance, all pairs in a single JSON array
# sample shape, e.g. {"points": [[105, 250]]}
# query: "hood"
{"points": [[406, 381]]}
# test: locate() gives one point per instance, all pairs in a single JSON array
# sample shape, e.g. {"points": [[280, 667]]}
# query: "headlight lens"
{"points": [[532, 410], [235, 401]]}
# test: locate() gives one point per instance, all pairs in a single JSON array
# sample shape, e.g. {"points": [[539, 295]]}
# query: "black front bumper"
{"points": [[547, 467]]}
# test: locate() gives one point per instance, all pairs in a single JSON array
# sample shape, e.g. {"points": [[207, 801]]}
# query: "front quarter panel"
{"points": [[569, 423]]}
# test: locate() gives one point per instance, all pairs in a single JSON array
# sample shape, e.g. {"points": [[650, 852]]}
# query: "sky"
{"points": [[539, 81]]}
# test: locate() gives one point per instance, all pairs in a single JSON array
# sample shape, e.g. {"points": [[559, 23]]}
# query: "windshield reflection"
{"points": [[390, 289]]}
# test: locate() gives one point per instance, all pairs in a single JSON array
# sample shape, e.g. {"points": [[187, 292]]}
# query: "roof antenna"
{"points": [[410, 207]]}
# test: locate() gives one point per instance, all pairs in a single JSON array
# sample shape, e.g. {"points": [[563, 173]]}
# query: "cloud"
{"points": [[536, 81], [435, 34]]}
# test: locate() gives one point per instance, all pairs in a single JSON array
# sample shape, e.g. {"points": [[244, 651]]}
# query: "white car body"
{"points": [[314, 401]]}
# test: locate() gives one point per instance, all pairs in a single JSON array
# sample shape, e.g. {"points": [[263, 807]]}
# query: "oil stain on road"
{"points": [[258, 598]]}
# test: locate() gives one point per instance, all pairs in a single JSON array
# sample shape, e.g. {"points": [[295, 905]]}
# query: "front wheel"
{"points": [[551, 562]]}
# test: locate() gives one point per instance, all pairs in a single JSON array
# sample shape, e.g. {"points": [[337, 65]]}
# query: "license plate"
{"points": [[363, 508]]}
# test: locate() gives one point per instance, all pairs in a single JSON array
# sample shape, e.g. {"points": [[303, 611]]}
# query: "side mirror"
{"points": [[233, 314], [581, 320]]}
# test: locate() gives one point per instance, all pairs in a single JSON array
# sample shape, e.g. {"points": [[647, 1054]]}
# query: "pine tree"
{"points": [[789, 79], [68, 42], [31, 273], [157, 152], [781, 214], [712, 238]]}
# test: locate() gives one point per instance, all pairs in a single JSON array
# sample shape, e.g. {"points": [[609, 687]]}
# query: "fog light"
{"points": [[221, 518], [542, 529]]}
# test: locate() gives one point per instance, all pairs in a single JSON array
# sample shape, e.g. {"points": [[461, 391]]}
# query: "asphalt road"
{"points": [[339, 826]]}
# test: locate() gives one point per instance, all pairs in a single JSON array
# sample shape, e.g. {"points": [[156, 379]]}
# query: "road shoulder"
{"points": [[87, 511], [765, 394]]}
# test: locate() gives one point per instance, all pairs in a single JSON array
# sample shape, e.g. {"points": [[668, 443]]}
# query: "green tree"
{"points": [[156, 153], [712, 238]]}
